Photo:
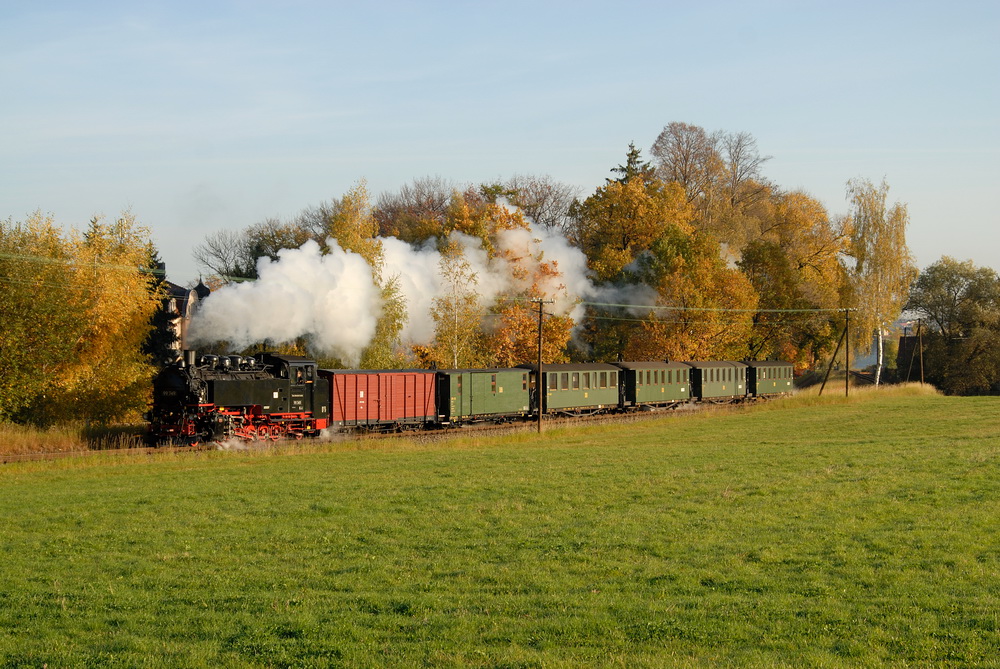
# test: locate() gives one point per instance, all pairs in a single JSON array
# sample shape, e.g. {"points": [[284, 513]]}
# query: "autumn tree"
{"points": [[416, 212], [352, 223], [75, 323], [545, 201], [512, 336], [625, 216], [38, 300], [960, 304], [795, 266], [475, 214], [457, 314], [883, 268], [706, 306]]}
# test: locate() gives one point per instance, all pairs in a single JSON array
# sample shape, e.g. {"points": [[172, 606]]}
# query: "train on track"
{"points": [[271, 396]]}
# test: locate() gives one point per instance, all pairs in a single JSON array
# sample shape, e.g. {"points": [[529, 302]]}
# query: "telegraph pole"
{"points": [[847, 351], [539, 385]]}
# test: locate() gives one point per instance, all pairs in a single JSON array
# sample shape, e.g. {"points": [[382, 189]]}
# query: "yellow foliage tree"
{"points": [[82, 334], [457, 314], [472, 214], [708, 306], [795, 265], [623, 218], [352, 223], [883, 267]]}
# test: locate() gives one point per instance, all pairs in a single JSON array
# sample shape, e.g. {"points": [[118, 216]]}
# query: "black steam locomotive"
{"points": [[213, 398]]}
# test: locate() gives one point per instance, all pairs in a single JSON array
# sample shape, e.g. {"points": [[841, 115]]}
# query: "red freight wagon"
{"points": [[381, 400]]}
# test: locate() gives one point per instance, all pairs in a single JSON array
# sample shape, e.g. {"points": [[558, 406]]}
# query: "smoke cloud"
{"points": [[333, 300]]}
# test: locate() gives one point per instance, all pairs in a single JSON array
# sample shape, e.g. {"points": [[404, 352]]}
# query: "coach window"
{"points": [[604, 379], [493, 382], [564, 381], [553, 382], [613, 379], [586, 380], [524, 382]]}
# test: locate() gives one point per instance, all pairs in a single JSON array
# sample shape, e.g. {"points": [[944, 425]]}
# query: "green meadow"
{"points": [[808, 532]]}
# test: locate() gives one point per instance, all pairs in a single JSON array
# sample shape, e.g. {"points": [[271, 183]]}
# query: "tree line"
{"points": [[731, 265], [728, 265]]}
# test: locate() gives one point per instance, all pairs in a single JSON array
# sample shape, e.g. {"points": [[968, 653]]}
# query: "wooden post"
{"points": [[920, 343], [847, 351], [539, 386]]}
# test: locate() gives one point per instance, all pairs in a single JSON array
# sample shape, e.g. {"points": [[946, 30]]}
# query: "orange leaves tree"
{"points": [[707, 306], [637, 230], [513, 336]]}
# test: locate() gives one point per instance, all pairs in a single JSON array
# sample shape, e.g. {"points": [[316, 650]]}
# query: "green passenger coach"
{"points": [[769, 378], [466, 395], [723, 381], [573, 389], [655, 383]]}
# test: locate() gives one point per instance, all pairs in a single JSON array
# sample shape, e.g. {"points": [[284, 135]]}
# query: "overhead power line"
{"points": [[720, 309]]}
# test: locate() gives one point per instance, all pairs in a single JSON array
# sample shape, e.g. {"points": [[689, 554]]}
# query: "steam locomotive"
{"points": [[271, 396]]}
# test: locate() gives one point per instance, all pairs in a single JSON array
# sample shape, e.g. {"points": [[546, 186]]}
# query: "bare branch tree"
{"points": [[544, 200]]}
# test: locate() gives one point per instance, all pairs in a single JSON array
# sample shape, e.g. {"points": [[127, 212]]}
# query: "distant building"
{"points": [[180, 305]]}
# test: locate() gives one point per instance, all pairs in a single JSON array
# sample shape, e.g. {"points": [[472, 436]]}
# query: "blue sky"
{"points": [[216, 115]]}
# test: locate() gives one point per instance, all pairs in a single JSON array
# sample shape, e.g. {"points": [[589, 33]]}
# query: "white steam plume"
{"points": [[331, 298], [334, 301]]}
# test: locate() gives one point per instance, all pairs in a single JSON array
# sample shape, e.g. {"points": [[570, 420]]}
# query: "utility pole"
{"points": [[845, 337], [920, 343], [539, 385], [847, 351]]}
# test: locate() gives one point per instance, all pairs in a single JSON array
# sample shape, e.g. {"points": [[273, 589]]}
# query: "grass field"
{"points": [[824, 533]]}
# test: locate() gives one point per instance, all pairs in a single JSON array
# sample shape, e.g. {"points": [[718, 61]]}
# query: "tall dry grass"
{"points": [[25, 439]]}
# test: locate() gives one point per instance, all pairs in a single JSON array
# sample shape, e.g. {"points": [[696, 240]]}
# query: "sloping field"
{"points": [[807, 533]]}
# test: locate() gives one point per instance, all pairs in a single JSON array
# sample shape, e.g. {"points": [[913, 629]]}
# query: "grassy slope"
{"points": [[834, 534]]}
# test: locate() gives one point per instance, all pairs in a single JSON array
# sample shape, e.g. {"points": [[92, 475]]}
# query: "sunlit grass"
{"points": [[833, 534]]}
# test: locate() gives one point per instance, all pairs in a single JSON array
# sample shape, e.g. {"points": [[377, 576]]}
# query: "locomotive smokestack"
{"points": [[189, 357]]}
